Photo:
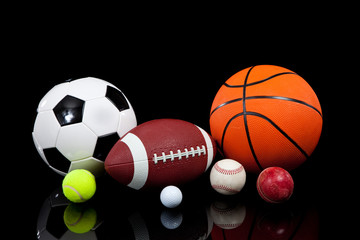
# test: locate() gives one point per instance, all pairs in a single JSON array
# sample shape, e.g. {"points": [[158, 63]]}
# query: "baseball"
{"points": [[227, 177], [226, 215]]}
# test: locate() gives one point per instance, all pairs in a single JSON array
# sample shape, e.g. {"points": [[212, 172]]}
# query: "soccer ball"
{"points": [[78, 122], [50, 222]]}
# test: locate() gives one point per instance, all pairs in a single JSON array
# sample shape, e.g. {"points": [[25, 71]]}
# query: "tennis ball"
{"points": [[79, 218], [79, 185]]}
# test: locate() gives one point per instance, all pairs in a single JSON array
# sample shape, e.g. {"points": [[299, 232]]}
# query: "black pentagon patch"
{"points": [[55, 222], [104, 145], [69, 110], [117, 98], [57, 160]]}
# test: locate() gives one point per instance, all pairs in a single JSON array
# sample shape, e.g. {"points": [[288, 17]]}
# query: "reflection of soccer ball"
{"points": [[50, 222], [78, 122]]}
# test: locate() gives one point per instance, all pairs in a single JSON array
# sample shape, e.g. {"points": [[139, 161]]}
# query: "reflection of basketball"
{"points": [[266, 116]]}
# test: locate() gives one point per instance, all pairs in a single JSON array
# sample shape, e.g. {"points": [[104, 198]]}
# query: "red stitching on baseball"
{"points": [[226, 171], [222, 211], [226, 188], [228, 225]]}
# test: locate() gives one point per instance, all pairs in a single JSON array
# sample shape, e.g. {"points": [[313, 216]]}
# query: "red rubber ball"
{"points": [[275, 185]]}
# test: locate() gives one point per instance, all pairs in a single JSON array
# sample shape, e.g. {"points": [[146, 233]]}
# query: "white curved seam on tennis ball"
{"points": [[77, 221], [89, 173], [72, 188]]}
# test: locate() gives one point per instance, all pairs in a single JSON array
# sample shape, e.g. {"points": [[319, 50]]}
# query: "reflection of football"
{"points": [[159, 153]]}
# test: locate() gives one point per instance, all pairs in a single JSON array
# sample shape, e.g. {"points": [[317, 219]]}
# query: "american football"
{"points": [[161, 152]]}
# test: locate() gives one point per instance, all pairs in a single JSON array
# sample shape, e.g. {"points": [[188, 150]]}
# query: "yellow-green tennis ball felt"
{"points": [[79, 219], [79, 185]]}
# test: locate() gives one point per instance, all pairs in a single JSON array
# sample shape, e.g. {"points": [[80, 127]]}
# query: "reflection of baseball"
{"points": [[227, 177], [227, 216]]}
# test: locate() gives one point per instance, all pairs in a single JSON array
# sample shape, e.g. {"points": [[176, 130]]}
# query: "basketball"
{"points": [[266, 116]]}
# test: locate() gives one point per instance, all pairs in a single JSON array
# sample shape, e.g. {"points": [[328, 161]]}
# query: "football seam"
{"points": [[179, 154], [144, 160], [127, 163]]}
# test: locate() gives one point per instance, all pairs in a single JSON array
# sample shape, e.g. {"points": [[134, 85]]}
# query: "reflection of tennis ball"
{"points": [[79, 185], [79, 219]]}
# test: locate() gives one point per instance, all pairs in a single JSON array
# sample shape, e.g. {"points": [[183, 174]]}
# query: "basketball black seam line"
{"points": [[223, 233], [226, 103], [245, 121], [253, 113], [253, 224], [226, 126], [268, 120], [280, 130], [267, 97], [286, 99], [260, 81], [298, 225]]}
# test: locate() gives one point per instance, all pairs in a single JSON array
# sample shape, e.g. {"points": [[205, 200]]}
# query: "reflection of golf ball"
{"points": [[171, 197], [171, 218]]}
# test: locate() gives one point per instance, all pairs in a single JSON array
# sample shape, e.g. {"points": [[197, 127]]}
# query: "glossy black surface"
{"points": [[180, 80], [56, 159], [117, 98], [69, 110], [122, 213], [104, 145]]}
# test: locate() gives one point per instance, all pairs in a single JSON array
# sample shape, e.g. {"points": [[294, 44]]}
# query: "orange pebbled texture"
{"points": [[266, 116]]}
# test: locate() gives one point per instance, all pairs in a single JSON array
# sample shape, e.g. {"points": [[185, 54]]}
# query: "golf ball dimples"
{"points": [[171, 196]]}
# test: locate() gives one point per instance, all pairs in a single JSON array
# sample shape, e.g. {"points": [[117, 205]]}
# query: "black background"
{"points": [[167, 74]]}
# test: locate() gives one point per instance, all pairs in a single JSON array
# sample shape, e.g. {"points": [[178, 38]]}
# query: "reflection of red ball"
{"points": [[276, 224], [275, 185]]}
